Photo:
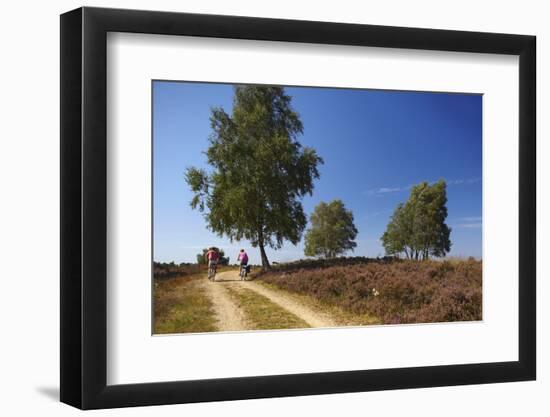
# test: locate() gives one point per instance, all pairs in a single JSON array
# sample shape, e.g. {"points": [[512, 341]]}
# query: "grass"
{"points": [[181, 306], [262, 313]]}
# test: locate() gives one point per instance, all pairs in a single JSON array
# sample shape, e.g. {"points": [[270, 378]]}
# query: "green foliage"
{"points": [[201, 257], [259, 170], [332, 231], [417, 228]]}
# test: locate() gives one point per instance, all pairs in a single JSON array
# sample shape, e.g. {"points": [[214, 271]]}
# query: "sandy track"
{"points": [[313, 318], [228, 315], [231, 278]]}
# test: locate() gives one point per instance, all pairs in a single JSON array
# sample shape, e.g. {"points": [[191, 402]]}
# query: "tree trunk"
{"points": [[265, 261]]}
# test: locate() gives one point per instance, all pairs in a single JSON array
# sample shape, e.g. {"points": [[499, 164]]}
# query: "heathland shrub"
{"points": [[395, 291], [171, 270]]}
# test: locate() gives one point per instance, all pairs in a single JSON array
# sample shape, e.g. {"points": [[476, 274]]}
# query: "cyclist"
{"points": [[212, 256], [242, 258]]}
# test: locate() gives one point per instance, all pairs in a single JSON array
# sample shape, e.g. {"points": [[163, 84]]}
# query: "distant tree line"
{"points": [[201, 257], [417, 228], [332, 231], [162, 270]]}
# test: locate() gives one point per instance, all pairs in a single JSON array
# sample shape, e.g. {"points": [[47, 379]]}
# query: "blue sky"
{"points": [[375, 145]]}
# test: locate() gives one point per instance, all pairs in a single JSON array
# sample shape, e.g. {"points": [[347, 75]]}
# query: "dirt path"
{"points": [[228, 315], [311, 317]]}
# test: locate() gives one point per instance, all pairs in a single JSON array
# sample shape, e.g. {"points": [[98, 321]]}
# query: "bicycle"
{"points": [[243, 272], [212, 271]]}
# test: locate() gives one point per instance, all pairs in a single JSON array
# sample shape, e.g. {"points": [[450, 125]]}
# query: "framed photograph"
{"points": [[257, 208]]}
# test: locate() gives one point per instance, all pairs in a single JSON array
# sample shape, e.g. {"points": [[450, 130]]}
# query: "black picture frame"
{"points": [[84, 207]]}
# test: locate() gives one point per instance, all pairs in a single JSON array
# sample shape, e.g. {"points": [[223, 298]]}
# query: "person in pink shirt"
{"points": [[212, 256], [242, 258]]}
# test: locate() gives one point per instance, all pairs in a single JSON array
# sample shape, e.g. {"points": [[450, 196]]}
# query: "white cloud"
{"points": [[466, 226], [474, 219], [464, 181], [388, 190]]}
